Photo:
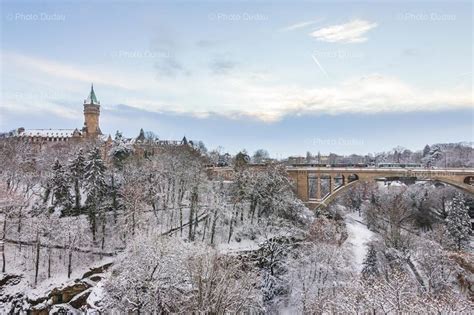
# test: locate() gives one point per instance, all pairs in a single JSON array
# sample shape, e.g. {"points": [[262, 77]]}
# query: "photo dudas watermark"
{"points": [[338, 54], [139, 54], [237, 17], [35, 95], [426, 17], [430, 174], [36, 17], [336, 141]]}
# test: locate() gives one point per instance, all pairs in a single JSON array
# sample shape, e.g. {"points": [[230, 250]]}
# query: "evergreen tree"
{"points": [[370, 264], [76, 170], [118, 136], [426, 150], [96, 187], [241, 159], [115, 202], [60, 188], [120, 150], [458, 222], [141, 136]]}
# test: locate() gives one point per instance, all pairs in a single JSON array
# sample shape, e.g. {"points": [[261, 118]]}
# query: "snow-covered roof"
{"points": [[62, 133]]}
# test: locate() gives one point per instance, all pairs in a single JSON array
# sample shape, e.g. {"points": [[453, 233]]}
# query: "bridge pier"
{"points": [[318, 188], [332, 184], [302, 185]]}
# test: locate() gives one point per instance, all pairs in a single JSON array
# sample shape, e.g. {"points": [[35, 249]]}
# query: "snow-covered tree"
{"points": [[10, 203], [120, 150], [201, 147], [76, 173], [221, 284], [96, 187], [390, 214], [115, 200], [241, 159], [437, 268], [260, 156], [315, 274], [61, 190], [426, 150], [354, 197], [458, 222], [369, 268], [166, 275], [133, 193]]}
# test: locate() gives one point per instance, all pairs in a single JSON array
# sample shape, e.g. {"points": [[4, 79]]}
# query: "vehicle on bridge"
{"points": [[330, 165], [399, 165], [360, 165]]}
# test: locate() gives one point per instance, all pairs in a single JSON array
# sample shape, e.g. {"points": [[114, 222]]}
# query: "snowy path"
{"points": [[358, 236]]}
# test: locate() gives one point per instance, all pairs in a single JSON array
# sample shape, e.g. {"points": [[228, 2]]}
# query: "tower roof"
{"points": [[92, 99]]}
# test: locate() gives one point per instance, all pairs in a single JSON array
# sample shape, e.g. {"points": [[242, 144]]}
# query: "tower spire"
{"points": [[92, 99]]}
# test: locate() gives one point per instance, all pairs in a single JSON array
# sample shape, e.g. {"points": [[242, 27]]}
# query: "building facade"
{"points": [[90, 130], [141, 145]]}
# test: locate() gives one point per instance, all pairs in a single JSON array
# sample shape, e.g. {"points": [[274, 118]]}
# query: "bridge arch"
{"points": [[350, 183], [326, 201], [469, 188], [352, 177]]}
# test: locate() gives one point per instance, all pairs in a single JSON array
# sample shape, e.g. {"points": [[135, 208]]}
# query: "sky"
{"points": [[287, 76]]}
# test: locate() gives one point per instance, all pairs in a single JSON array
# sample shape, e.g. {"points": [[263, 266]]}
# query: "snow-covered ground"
{"points": [[358, 237], [95, 298], [233, 246], [58, 280]]}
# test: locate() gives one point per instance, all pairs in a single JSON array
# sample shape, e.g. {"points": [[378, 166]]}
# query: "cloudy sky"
{"points": [[290, 77]]}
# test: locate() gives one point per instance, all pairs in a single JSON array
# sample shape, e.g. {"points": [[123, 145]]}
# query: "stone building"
{"points": [[91, 127], [90, 130], [141, 145]]}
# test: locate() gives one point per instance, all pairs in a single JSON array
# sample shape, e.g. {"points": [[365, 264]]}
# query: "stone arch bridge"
{"points": [[318, 186]]}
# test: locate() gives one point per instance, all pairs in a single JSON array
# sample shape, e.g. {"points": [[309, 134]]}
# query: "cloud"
{"points": [[241, 95], [410, 52], [64, 71], [351, 32], [169, 66], [363, 95], [16, 105], [222, 65], [205, 43], [63, 77], [300, 25], [170, 63]]}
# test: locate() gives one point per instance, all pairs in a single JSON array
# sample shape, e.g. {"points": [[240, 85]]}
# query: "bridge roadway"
{"points": [[317, 186]]}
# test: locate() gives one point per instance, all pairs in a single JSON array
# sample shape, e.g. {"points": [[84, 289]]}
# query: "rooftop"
{"points": [[47, 133]]}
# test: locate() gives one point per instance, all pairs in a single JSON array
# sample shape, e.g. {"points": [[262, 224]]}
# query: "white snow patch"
{"points": [[397, 183], [232, 247], [97, 294], [358, 237]]}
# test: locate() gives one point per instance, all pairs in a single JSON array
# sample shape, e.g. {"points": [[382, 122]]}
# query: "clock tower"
{"points": [[91, 115]]}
